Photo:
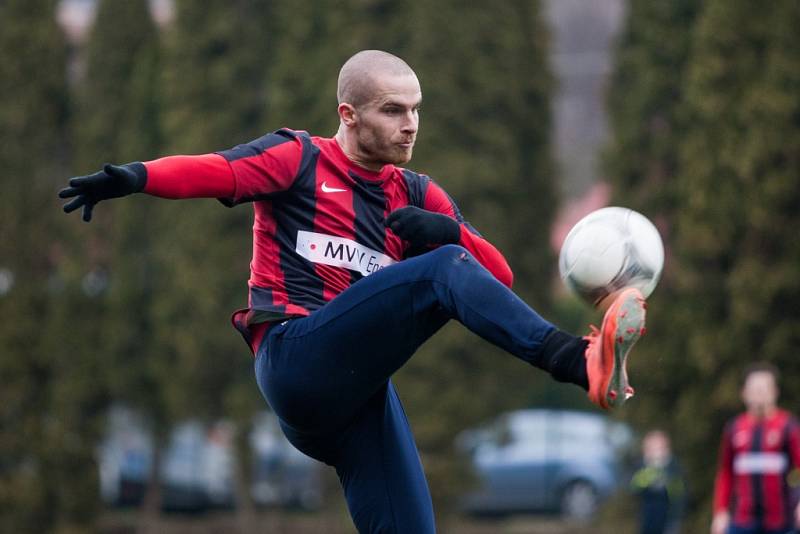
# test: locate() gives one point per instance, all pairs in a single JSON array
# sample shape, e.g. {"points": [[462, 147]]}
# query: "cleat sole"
{"points": [[630, 327]]}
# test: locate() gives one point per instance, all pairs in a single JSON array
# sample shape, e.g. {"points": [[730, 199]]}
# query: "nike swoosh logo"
{"points": [[326, 189]]}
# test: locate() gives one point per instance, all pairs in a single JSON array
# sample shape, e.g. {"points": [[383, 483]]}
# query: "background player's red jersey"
{"points": [[755, 459]]}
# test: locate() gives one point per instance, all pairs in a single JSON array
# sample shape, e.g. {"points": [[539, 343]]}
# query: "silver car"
{"points": [[544, 460]]}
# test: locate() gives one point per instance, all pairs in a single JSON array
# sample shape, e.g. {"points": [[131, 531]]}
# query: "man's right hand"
{"points": [[112, 182], [720, 523]]}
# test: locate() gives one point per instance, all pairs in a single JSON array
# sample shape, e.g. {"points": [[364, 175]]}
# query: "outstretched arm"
{"points": [[208, 175], [441, 223], [246, 172]]}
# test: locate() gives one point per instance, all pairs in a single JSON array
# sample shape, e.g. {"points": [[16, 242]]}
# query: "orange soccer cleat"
{"points": [[606, 355]]}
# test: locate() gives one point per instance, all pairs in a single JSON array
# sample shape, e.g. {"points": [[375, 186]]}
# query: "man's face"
{"points": [[760, 392], [386, 126]]}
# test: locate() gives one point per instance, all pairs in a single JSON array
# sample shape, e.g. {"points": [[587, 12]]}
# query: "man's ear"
{"points": [[347, 114]]}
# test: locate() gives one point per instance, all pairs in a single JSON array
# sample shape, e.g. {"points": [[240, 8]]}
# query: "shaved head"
{"points": [[359, 73], [379, 101]]}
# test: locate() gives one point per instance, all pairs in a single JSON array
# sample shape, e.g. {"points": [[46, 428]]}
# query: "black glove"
{"points": [[421, 227], [112, 182]]}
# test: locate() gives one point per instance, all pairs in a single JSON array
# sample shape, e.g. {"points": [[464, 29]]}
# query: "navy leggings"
{"points": [[327, 376]]}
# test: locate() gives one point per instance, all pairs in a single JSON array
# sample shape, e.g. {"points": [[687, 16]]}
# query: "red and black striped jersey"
{"points": [[756, 457], [319, 220]]}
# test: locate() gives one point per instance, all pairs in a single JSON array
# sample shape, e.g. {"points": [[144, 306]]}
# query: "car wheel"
{"points": [[579, 501]]}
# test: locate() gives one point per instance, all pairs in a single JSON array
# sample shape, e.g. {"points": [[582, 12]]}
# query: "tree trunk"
{"points": [[150, 512]]}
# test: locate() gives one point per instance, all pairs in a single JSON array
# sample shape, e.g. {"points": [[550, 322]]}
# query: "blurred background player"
{"points": [[659, 485], [759, 449]]}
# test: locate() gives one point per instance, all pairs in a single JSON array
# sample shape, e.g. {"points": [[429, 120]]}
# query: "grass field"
{"points": [[331, 522]]}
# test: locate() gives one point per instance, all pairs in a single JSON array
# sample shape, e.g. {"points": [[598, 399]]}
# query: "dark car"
{"points": [[544, 460]]}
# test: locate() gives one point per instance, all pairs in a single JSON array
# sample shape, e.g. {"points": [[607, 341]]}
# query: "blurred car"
{"points": [[544, 460], [197, 465], [195, 470], [282, 475], [125, 458]]}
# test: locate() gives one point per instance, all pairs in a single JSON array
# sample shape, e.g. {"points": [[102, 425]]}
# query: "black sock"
{"points": [[563, 356]]}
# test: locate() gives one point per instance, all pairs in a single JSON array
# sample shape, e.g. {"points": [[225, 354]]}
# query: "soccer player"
{"points": [[759, 449], [356, 262]]}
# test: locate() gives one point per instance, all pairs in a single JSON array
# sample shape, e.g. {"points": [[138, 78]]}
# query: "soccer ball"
{"points": [[608, 250]]}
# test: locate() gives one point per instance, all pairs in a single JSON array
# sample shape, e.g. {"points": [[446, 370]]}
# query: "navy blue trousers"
{"points": [[327, 376]]}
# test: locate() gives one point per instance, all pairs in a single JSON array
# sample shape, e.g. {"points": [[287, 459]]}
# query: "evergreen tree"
{"points": [[737, 243], [644, 105], [305, 62], [647, 114], [215, 71], [646, 108], [214, 98], [728, 151], [117, 118], [47, 476], [119, 122]]}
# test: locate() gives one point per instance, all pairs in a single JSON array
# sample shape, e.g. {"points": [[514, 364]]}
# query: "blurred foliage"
{"points": [[213, 85], [47, 411], [707, 139], [117, 119]]}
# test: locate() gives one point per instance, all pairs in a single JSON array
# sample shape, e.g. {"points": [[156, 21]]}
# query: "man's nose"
{"points": [[411, 123]]}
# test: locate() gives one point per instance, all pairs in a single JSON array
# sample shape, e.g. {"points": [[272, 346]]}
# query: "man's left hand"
{"points": [[422, 228]]}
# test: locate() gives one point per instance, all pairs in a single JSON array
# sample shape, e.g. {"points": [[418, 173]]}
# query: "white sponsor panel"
{"points": [[759, 463], [340, 252]]}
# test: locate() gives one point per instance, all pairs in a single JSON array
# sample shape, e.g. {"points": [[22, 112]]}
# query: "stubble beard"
{"points": [[384, 153]]}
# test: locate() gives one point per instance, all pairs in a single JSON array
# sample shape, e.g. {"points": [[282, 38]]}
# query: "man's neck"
{"points": [[762, 412], [350, 149]]}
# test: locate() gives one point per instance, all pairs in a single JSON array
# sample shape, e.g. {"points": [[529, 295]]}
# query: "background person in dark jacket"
{"points": [[660, 486]]}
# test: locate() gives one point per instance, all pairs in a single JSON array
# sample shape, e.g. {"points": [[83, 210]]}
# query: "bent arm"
{"points": [[437, 200], [487, 255]]}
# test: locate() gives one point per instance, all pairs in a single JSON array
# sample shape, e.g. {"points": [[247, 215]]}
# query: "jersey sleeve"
{"points": [[438, 201], [264, 166], [724, 480], [203, 176], [247, 172], [793, 442]]}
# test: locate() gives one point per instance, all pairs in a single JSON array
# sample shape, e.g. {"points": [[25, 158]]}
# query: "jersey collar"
{"points": [[353, 168]]}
